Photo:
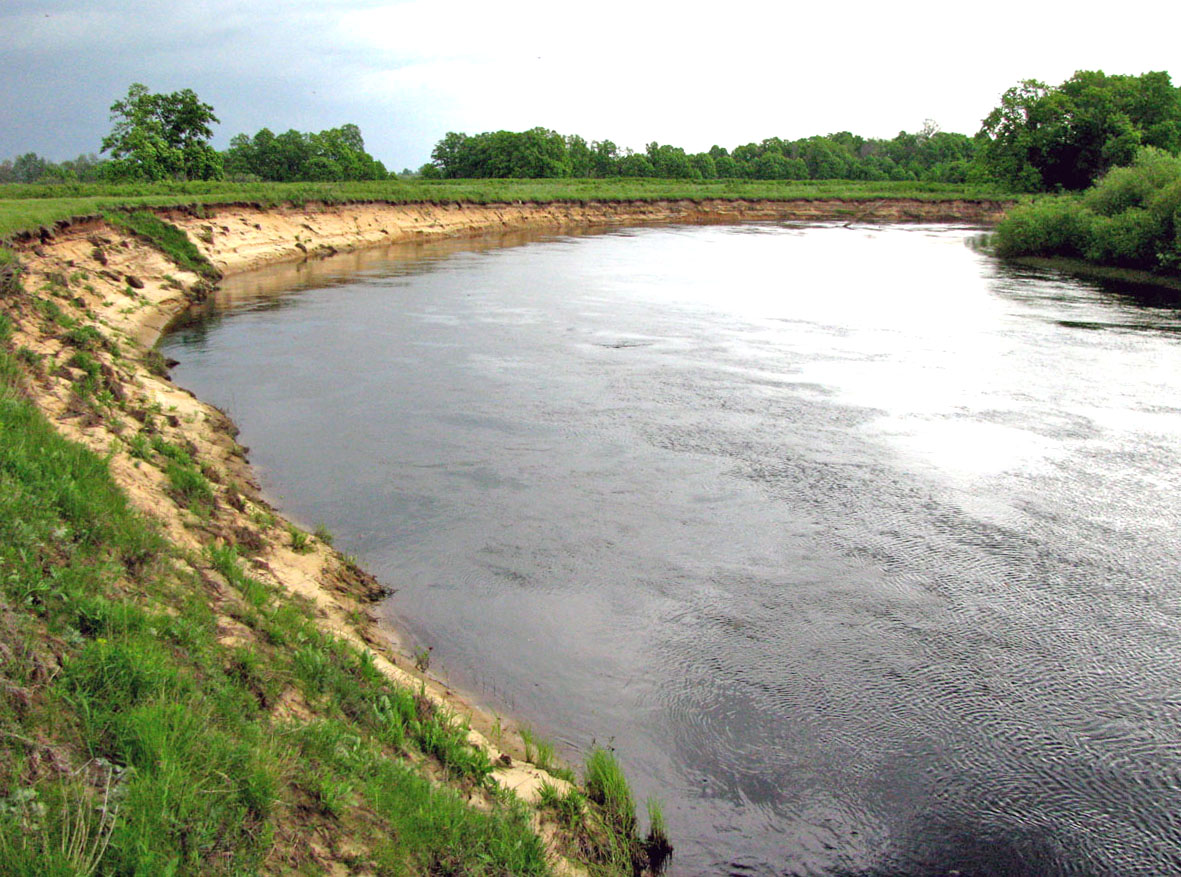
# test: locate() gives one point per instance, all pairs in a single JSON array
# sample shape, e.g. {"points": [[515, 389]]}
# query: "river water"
{"points": [[860, 547]]}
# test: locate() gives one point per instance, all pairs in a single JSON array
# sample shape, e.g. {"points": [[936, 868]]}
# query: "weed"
{"points": [[155, 363], [301, 543], [189, 487], [324, 534], [568, 808], [422, 659], [263, 518], [57, 828], [139, 446]]}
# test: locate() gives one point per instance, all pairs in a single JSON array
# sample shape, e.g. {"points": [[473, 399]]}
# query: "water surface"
{"points": [[860, 547]]}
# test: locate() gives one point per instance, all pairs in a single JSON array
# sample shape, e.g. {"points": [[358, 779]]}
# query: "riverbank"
{"points": [[97, 298]]}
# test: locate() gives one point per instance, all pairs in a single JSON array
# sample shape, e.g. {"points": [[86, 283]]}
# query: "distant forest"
{"points": [[1039, 139]]}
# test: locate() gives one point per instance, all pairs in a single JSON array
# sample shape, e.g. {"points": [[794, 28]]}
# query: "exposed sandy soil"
{"points": [[240, 238], [130, 292]]}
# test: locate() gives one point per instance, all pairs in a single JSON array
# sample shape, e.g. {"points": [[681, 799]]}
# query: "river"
{"points": [[860, 547]]}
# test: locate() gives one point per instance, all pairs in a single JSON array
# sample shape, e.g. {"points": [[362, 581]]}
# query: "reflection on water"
{"points": [[861, 547]]}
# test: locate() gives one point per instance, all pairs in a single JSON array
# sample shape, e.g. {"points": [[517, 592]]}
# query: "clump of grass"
{"points": [[569, 808], [324, 534], [224, 559], [167, 238], [657, 845], [171, 451], [92, 380], [263, 518], [607, 786], [85, 338], [422, 659], [301, 542], [139, 446], [10, 273], [189, 487], [155, 363], [542, 754], [613, 828]]}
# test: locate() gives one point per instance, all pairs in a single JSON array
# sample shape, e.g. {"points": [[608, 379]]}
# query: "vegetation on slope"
{"points": [[164, 710], [1131, 218], [26, 208]]}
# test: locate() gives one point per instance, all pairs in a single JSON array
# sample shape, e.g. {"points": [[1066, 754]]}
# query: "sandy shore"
{"points": [[129, 292]]}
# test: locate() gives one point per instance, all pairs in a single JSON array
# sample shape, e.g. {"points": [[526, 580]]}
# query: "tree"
{"points": [[1043, 138], [28, 168], [162, 136]]}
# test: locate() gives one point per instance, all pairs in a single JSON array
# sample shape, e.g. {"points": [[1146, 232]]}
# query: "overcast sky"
{"points": [[627, 70]]}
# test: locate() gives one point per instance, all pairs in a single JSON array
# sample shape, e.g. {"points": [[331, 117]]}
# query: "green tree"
{"points": [[1043, 138], [162, 136], [28, 168]]}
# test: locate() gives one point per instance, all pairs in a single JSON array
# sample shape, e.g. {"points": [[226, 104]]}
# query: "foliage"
{"points": [[1131, 218], [335, 154], [33, 168], [1046, 139], [541, 153], [161, 137]]}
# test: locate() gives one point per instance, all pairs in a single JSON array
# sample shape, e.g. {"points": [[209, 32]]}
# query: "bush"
{"points": [[1131, 218], [1051, 227]]}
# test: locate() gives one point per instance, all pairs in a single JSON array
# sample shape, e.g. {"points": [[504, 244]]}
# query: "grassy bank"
{"points": [[25, 207], [167, 709]]}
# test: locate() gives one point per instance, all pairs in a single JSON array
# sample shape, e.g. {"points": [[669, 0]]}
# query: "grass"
{"points": [[166, 711], [133, 741], [611, 822], [167, 238], [542, 754], [25, 208]]}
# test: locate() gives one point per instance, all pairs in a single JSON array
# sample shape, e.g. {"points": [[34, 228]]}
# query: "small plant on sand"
{"points": [[568, 808], [262, 518], [301, 542], [422, 659], [324, 534]]}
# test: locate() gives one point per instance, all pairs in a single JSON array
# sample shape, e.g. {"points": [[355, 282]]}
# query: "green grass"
{"points": [[542, 753], [133, 742], [136, 739], [167, 238], [30, 207]]}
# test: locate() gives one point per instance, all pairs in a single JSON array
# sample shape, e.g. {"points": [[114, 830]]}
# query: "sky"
{"points": [[631, 71]]}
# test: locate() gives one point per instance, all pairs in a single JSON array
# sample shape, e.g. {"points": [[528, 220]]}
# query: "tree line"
{"points": [[930, 154], [1039, 139]]}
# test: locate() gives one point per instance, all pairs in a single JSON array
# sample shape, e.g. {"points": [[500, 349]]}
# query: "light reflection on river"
{"points": [[861, 548]]}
